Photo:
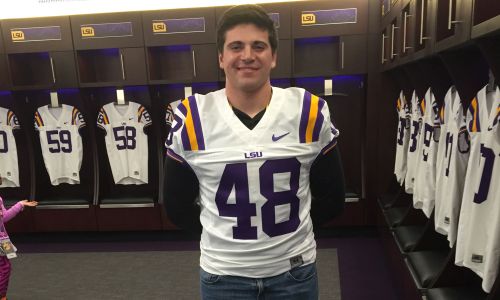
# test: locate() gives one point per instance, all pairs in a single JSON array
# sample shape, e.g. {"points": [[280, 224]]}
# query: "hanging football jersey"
{"points": [[478, 239], [9, 169], [414, 143], [402, 138], [425, 177], [61, 142], [451, 175], [126, 142]]}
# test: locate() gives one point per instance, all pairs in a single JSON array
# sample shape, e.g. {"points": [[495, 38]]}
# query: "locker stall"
{"points": [[445, 46]]}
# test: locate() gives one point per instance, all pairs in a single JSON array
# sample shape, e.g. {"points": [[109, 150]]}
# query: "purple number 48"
{"points": [[236, 175]]}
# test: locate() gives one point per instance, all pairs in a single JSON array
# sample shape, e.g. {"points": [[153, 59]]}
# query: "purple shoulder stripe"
{"points": [[304, 116]]}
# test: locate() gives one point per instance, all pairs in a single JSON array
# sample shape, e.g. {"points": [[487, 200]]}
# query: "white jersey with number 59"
{"points": [[478, 240], [254, 184], [9, 172], [61, 142], [126, 142]]}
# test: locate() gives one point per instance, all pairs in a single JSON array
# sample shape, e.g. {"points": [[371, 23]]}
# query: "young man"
{"points": [[253, 162]]}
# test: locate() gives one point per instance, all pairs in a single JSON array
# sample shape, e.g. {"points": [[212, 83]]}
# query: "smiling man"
{"points": [[253, 166]]}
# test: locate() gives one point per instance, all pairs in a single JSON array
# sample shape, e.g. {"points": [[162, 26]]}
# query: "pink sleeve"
{"points": [[11, 212]]}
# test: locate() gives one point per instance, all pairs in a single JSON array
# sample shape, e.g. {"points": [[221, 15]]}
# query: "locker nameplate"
{"points": [[36, 34], [171, 26], [106, 30], [329, 17], [276, 19]]}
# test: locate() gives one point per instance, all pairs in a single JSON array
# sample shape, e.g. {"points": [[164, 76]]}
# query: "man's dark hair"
{"points": [[246, 14]]}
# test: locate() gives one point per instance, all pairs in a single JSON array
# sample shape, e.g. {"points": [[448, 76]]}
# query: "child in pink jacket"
{"points": [[7, 249]]}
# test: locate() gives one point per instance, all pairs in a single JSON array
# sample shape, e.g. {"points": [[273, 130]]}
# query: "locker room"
{"points": [[88, 90]]}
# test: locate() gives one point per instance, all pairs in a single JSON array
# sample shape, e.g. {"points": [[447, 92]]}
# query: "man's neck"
{"points": [[251, 103]]}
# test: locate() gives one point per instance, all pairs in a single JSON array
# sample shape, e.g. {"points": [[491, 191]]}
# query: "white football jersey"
{"points": [[478, 240], [255, 196], [402, 138], [425, 177], [126, 142], [9, 171], [450, 181], [61, 142], [414, 143], [443, 152]]}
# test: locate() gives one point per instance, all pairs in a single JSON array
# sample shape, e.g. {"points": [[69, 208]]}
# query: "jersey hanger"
{"points": [[120, 97], [54, 100], [491, 86]]}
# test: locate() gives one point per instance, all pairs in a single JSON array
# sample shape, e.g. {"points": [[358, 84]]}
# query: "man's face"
{"points": [[247, 58]]}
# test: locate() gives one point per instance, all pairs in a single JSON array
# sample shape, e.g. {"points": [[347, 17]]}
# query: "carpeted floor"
{"points": [[155, 275]]}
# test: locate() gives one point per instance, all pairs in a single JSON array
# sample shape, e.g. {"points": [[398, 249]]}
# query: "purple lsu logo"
{"points": [[253, 154]]}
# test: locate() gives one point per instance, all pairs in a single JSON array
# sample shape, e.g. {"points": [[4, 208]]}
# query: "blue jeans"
{"points": [[300, 283]]}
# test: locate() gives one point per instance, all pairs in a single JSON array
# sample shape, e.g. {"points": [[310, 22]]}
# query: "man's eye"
{"points": [[235, 47]]}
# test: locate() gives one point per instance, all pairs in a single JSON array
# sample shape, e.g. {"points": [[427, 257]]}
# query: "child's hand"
{"points": [[28, 203]]}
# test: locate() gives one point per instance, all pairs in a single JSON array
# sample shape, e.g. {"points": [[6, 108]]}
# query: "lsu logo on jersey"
{"points": [[159, 27], [87, 31], [17, 35], [308, 18], [253, 154]]}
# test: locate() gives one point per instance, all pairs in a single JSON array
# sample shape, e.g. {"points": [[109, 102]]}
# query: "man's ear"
{"points": [[275, 60], [220, 61]]}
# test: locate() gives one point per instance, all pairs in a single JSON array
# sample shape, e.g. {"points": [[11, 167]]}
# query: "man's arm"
{"points": [[327, 187], [181, 189]]}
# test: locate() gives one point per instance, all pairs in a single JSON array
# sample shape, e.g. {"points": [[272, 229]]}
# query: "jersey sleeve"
{"points": [[315, 125], [169, 115], [175, 142], [102, 119], [38, 120], [12, 120], [472, 117], [77, 118], [143, 116], [497, 117], [329, 133]]}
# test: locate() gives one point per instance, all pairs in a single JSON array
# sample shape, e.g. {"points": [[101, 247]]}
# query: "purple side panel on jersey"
{"points": [[319, 121], [304, 118], [175, 156], [329, 146], [185, 139], [197, 124], [184, 136]]}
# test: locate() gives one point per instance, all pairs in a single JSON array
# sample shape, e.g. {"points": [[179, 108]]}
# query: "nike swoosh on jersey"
{"points": [[279, 137]]}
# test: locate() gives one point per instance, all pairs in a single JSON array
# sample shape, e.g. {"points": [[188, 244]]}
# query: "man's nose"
{"points": [[248, 53]]}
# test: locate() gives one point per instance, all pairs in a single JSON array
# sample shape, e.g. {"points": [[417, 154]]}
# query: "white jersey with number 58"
{"points": [[126, 142]]}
